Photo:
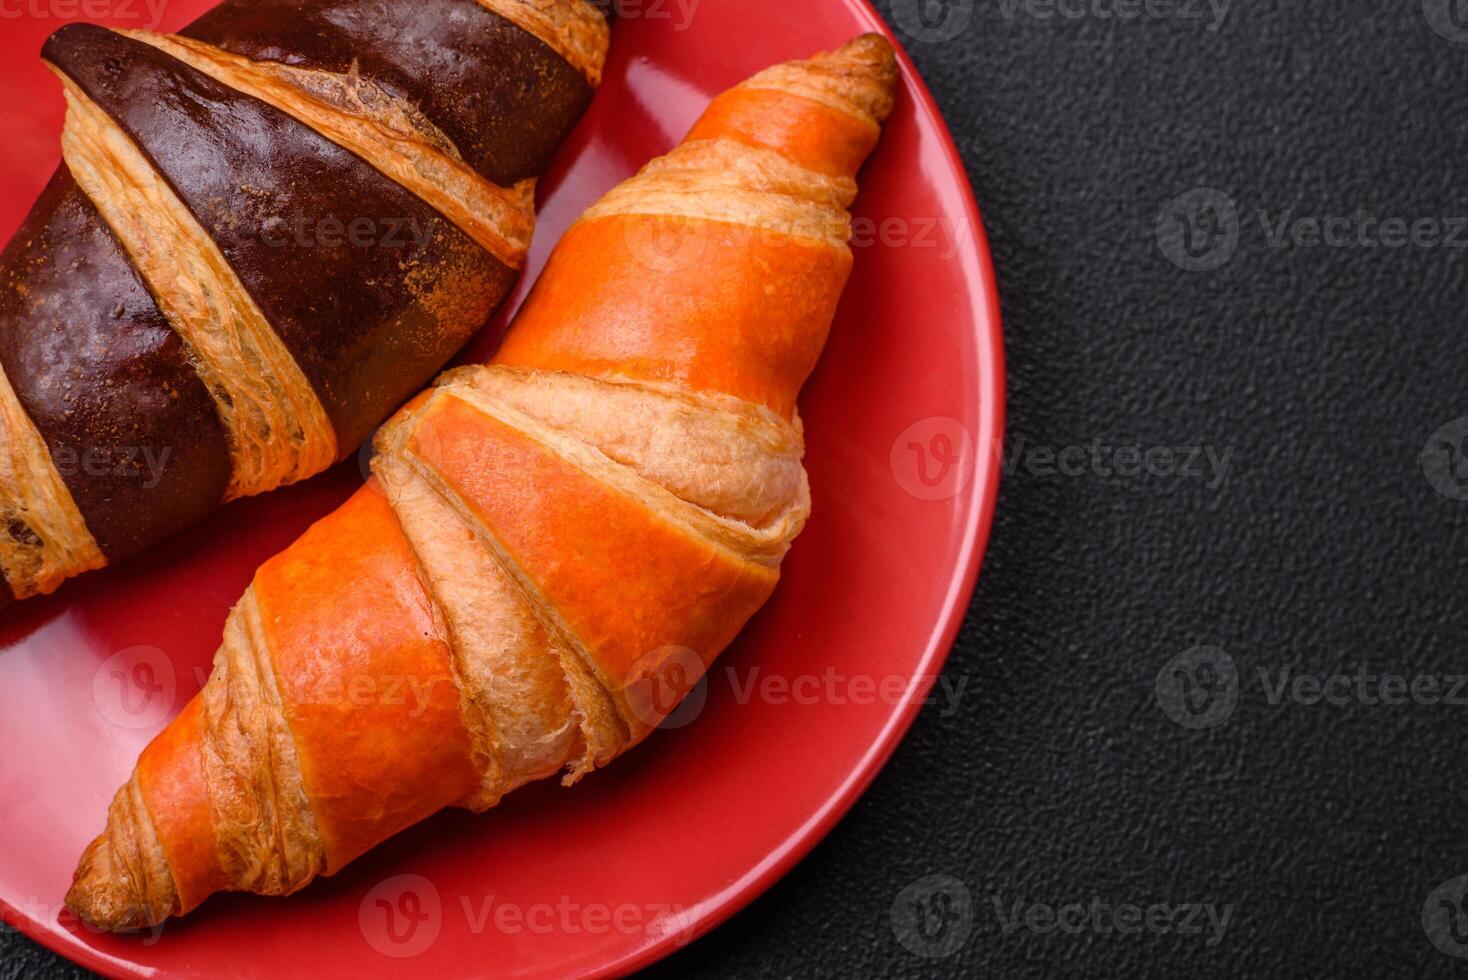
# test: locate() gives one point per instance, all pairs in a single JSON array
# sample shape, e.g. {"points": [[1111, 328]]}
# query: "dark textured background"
{"points": [[1326, 371]]}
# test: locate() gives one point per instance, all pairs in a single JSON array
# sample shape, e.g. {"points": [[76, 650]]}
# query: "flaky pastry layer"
{"points": [[43, 538], [857, 80], [278, 430], [574, 29], [394, 138]]}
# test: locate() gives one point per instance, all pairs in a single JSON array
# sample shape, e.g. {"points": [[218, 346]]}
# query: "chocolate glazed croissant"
{"points": [[269, 231], [553, 547]]}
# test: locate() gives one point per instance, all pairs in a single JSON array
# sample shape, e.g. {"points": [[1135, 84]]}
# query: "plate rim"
{"points": [[982, 499]]}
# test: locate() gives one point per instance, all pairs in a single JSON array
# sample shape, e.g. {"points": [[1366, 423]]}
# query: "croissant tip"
{"points": [[872, 48], [100, 895], [870, 61]]}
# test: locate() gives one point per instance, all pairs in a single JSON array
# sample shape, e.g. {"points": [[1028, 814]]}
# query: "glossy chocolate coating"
{"points": [[105, 379], [369, 288], [503, 97]]}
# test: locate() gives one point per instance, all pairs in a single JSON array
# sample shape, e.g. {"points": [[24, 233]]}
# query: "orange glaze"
{"points": [[813, 135], [365, 677], [171, 777], [628, 583], [705, 310]]}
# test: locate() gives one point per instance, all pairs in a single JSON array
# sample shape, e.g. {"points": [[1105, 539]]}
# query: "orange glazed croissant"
{"points": [[553, 546]]}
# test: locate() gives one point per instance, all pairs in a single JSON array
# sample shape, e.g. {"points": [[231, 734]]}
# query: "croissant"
{"points": [[552, 548], [269, 232]]}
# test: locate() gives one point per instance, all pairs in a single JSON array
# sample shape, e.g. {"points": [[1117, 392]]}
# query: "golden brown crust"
{"points": [[267, 836], [530, 702], [859, 79], [720, 180], [124, 878], [278, 430], [738, 461], [572, 28], [43, 538]]}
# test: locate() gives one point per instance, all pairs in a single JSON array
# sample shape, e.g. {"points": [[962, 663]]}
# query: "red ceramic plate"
{"points": [[904, 419]]}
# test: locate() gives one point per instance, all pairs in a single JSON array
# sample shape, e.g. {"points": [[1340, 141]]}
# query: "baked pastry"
{"points": [[269, 231], [553, 547]]}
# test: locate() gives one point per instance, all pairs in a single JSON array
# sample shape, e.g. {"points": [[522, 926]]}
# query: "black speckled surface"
{"points": [[1323, 547]]}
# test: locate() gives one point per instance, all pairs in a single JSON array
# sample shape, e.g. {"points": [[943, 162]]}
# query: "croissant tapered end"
{"points": [[862, 75], [100, 893], [105, 893], [824, 114]]}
